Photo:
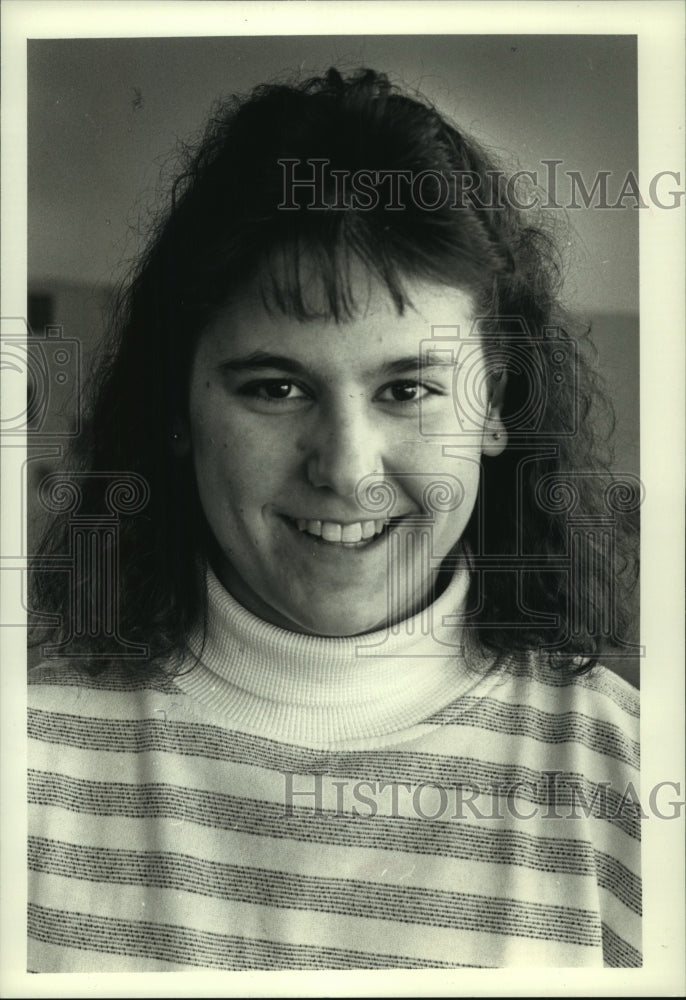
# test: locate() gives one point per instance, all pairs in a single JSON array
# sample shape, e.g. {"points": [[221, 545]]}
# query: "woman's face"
{"points": [[293, 425]]}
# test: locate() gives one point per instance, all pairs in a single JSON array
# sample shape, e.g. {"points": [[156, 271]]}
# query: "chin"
{"points": [[336, 618], [338, 625]]}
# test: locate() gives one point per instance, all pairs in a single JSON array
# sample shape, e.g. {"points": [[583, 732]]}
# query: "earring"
{"points": [[180, 444], [496, 435]]}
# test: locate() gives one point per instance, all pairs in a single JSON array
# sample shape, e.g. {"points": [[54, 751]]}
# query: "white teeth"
{"points": [[334, 531], [352, 532], [331, 532]]}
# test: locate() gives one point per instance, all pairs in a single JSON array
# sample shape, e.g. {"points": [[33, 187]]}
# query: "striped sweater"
{"points": [[282, 801]]}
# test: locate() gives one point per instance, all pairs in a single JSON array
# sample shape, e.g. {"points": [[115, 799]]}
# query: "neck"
{"points": [[318, 690]]}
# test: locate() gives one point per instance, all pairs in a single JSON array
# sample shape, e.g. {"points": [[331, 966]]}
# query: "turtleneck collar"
{"points": [[320, 691]]}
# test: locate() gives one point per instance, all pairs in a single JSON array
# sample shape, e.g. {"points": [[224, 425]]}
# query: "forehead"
{"points": [[374, 336]]}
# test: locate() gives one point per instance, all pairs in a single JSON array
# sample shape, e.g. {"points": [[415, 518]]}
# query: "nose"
{"points": [[344, 449]]}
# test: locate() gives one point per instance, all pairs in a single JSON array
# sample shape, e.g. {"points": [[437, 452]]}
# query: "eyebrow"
{"points": [[259, 360]]}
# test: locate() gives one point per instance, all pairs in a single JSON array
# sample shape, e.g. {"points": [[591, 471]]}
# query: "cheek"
{"points": [[468, 476], [240, 468], [441, 477], [453, 500]]}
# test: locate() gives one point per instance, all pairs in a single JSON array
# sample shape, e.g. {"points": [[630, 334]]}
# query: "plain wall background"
{"points": [[105, 113], [106, 116]]}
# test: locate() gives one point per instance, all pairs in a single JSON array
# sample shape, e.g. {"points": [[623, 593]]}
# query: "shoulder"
{"points": [[598, 714], [587, 721], [87, 723], [598, 693], [86, 674], [601, 682], [72, 686]]}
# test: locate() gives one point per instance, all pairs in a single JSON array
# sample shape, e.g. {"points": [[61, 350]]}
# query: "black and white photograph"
{"points": [[342, 477]]}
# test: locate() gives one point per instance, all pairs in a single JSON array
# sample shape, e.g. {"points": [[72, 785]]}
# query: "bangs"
{"points": [[312, 280], [327, 273]]}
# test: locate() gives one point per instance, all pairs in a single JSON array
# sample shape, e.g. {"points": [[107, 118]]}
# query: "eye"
{"points": [[407, 391], [274, 395], [273, 390]]}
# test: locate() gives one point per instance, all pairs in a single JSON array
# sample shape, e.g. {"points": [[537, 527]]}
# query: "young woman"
{"points": [[326, 694]]}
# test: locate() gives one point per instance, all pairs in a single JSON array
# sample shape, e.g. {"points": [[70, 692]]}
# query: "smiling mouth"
{"points": [[357, 535]]}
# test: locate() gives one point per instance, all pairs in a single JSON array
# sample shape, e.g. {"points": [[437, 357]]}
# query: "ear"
{"points": [[494, 440]]}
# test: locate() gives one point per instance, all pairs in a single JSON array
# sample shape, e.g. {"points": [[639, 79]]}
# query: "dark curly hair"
{"points": [[538, 582]]}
